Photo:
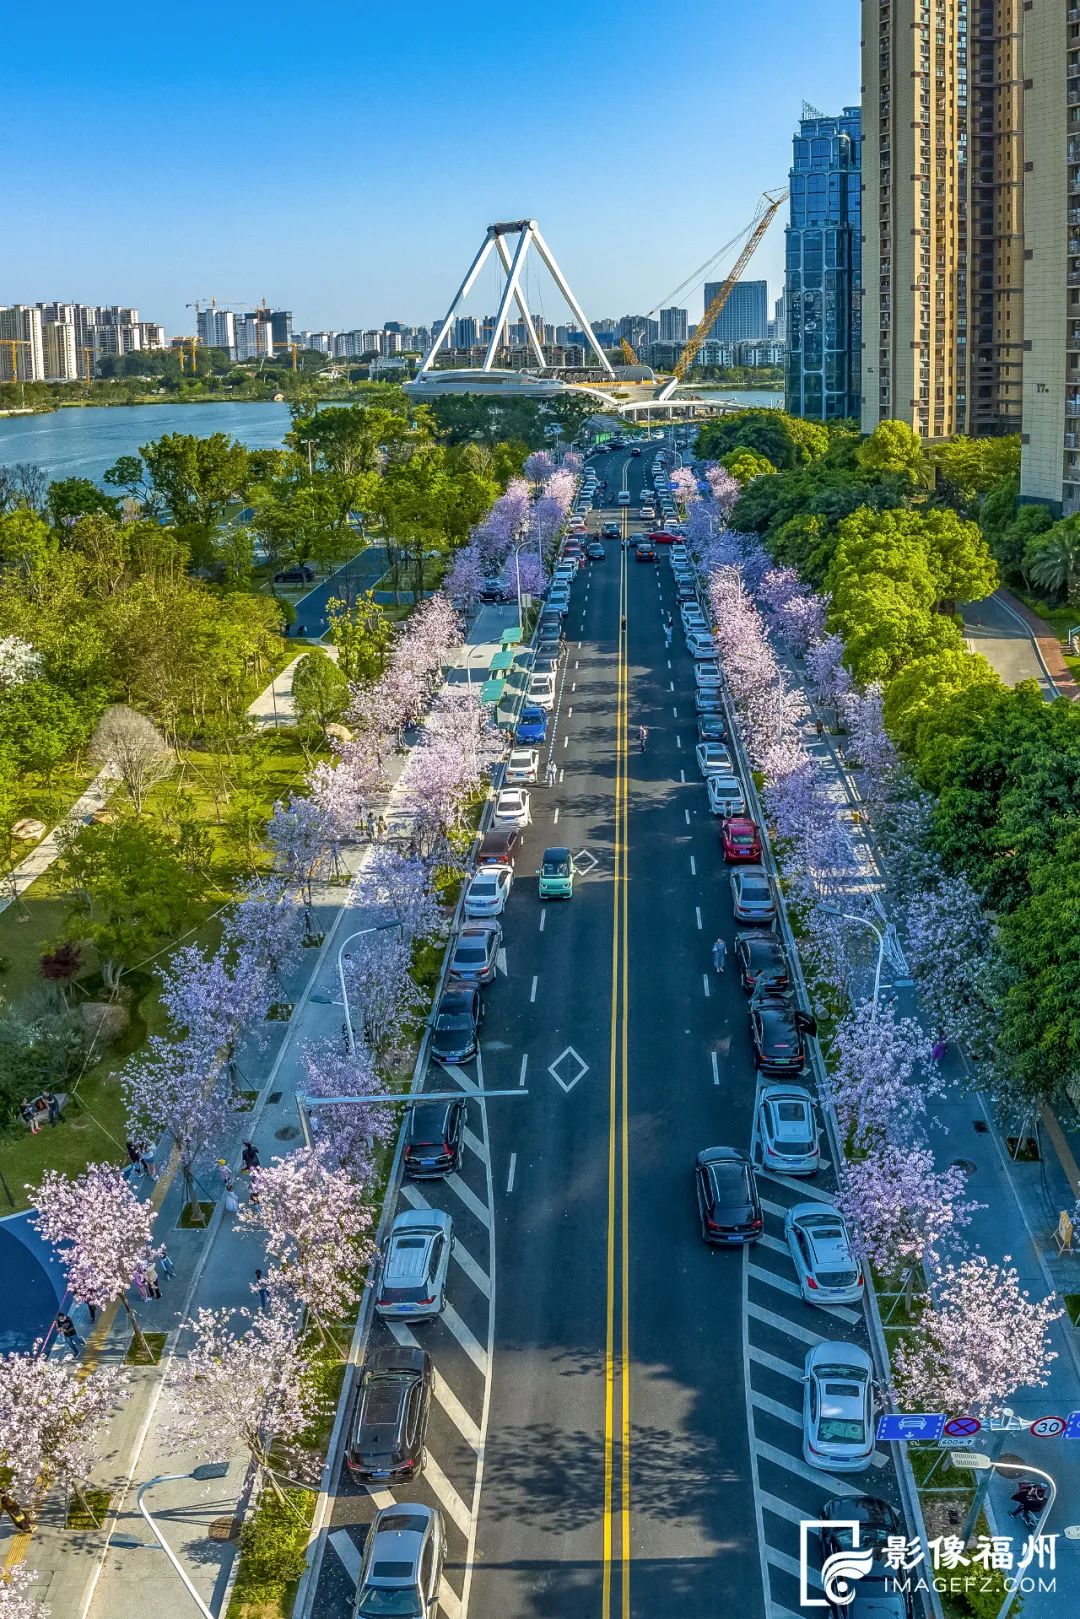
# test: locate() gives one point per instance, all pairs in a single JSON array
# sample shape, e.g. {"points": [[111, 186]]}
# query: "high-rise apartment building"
{"points": [[746, 313], [216, 329], [59, 351], [943, 256], [22, 356], [464, 332], [823, 285], [673, 325]]}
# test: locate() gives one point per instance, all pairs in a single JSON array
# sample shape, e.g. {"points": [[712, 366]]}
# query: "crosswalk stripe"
{"points": [[769, 1318], [349, 1552], [785, 1285], [468, 1429], [786, 1368], [475, 1145], [807, 1191], [796, 1465], [449, 1601], [790, 1565], [776, 1408], [449, 1499], [781, 1509], [472, 1270], [472, 1346], [469, 1198]]}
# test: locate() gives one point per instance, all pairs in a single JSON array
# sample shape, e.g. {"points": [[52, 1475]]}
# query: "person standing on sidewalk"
{"points": [[263, 1291], [65, 1326], [249, 1157], [165, 1264]]}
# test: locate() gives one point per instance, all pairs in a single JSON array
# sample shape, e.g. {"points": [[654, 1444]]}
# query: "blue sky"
{"points": [[343, 157]]}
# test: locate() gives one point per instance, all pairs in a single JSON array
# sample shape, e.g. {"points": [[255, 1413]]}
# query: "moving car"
{"points": [[622, 498], [523, 763], [542, 691], [662, 536], [611, 530], [532, 725], [393, 1407], [493, 590], [874, 1597], [713, 759], [488, 891], [740, 840], [838, 1408], [556, 874], [455, 1028], [751, 896], [647, 514], [789, 1134], [402, 1564], [415, 1260], [727, 1196], [645, 552], [595, 551], [761, 960], [635, 449], [512, 808], [301, 573], [433, 1130], [711, 728], [824, 1255], [476, 952], [499, 847], [725, 795], [776, 1031]]}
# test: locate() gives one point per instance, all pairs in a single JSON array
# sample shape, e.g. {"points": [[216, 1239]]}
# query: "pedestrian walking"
{"points": [[150, 1277], [1030, 1499], [262, 1290], [91, 1310], [719, 955], [165, 1264], [667, 636], [250, 1157], [133, 1155], [29, 1116], [138, 1282], [818, 727], [642, 736], [224, 1172], [254, 1195], [53, 1104], [232, 1202], [382, 827], [371, 826], [65, 1326], [551, 773], [147, 1155]]}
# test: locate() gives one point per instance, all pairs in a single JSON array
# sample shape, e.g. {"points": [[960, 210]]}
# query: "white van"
{"points": [[623, 498]]}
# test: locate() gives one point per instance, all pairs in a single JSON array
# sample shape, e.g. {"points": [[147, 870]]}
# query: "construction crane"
{"points": [[627, 352], [770, 204], [87, 362]]}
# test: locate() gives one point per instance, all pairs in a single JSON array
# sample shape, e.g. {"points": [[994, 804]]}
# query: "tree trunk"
{"points": [[144, 1347]]}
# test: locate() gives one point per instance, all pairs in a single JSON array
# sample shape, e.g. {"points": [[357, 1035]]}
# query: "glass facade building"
{"points": [[823, 279]]}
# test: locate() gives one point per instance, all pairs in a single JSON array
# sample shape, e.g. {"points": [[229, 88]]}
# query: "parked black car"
{"points": [[760, 956], [302, 573], [456, 1025], [875, 1597], [433, 1136], [777, 1026], [393, 1407], [727, 1196]]}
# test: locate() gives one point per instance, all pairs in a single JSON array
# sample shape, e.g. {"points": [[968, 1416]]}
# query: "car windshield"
{"points": [[837, 1278], [484, 888], [556, 868], [390, 1604], [453, 1023], [842, 1431]]}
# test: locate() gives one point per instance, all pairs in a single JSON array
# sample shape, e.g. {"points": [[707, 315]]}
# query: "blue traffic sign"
{"points": [[1072, 1426], [911, 1425]]}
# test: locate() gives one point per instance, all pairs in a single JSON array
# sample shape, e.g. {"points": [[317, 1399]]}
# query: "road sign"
{"points": [[1048, 1427], [970, 1458], [911, 1425], [1072, 1426], [961, 1427], [965, 1442]]}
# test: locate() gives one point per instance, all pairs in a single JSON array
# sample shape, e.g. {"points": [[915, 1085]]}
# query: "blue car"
{"points": [[532, 726]]}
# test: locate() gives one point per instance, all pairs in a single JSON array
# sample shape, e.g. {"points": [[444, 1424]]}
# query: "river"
{"points": [[82, 442]]}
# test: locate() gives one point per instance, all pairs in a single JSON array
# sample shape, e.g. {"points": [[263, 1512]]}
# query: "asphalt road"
{"points": [[360, 573], [632, 1436]]}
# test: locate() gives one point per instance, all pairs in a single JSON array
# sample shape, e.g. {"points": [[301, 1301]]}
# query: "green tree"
{"points": [[196, 478], [786, 441], [363, 634], [41, 724], [934, 703], [320, 691], [969, 468], [893, 447], [133, 892], [1052, 559], [1038, 1044], [72, 498], [747, 465]]}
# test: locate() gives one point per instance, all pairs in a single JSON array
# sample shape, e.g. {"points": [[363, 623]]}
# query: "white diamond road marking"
{"points": [[568, 1083], [584, 862]]}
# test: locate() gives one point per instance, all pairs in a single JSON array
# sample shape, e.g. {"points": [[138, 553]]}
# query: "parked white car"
{"points": [[714, 759], [838, 1408], [489, 891], [725, 795], [787, 1126], [511, 808], [523, 764], [824, 1256], [542, 691]]}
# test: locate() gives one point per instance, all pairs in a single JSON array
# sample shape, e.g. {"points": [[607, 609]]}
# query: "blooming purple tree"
{"points": [[828, 677], [902, 1208], [246, 1387], [949, 946], [302, 836], [397, 887], [980, 1338], [724, 490], [548, 516], [345, 1134], [105, 1234], [465, 576], [684, 487], [317, 1226], [383, 994], [538, 466], [267, 926], [881, 1075], [868, 745], [561, 487], [212, 1000], [801, 621], [179, 1089], [17, 1600], [433, 791], [51, 1412]]}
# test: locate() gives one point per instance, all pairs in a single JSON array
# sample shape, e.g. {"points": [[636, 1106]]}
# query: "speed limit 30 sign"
{"points": [[1048, 1427]]}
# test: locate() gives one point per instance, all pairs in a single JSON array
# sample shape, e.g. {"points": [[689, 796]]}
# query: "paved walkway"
{"points": [[1018, 644], [82, 1576]]}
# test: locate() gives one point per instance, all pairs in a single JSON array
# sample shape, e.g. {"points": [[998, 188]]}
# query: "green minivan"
{"points": [[556, 875]]}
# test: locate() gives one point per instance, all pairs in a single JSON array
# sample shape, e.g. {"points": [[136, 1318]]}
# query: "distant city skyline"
{"points": [[355, 209]]}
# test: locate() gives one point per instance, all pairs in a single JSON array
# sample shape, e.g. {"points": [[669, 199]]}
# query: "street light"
{"points": [[207, 1470], [865, 922], [380, 927], [988, 1466]]}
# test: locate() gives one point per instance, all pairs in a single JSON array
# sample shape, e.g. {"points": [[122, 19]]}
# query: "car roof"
{"points": [[397, 1358], [431, 1220], [556, 852], [500, 837]]}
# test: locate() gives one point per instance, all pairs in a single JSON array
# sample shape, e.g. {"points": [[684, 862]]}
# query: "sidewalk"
{"points": [[1021, 1205], [81, 1575]]}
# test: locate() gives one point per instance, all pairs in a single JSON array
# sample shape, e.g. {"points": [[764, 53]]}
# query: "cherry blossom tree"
{"points": [[561, 487], [881, 1075], [17, 1600], [179, 1089], [51, 1413], [778, 587], [949, 946], [724, 490], [382, 991], [301, 835], [397, 887], [684, 487], [901, 1207], [465, 576], [980, 1339], [346, 1134], [317, 1226], [245, 1387], [105, 1234], [538, 466], [801, 621], [212, 1000]]}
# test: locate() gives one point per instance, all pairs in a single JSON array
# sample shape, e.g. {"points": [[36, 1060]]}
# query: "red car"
{"points": [[660, 536], [741, 838], [645, 551]]}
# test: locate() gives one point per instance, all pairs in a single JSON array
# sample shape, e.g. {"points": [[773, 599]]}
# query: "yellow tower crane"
{"points": [[628, 353]]}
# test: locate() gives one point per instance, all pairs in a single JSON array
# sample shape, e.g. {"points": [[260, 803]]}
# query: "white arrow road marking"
{"points": [[449, 1499], [472, 1346], [348, 1551], [792, 1464], [468, 1197], [470, 1267]]}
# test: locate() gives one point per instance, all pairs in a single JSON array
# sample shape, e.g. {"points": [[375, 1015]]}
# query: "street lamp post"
{"points": [[380, 927], [208, 1470], [865, 922]]}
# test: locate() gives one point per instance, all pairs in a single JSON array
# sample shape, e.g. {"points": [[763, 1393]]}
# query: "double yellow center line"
{"points": [[617, 1359]]}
